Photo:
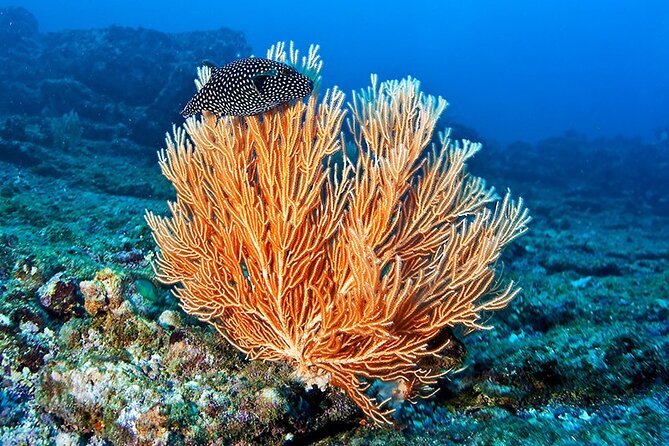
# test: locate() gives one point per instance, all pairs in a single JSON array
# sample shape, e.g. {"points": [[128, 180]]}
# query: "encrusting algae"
{"points": [[353, 271]]}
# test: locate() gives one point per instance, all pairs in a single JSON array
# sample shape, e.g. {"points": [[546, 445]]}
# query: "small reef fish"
{"points": [[248, 87]]}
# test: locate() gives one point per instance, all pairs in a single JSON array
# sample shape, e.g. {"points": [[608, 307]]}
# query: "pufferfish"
{"points": [[248, 87]]}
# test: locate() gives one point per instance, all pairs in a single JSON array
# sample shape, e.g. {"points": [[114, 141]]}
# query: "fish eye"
{"points": [[285, 71]]}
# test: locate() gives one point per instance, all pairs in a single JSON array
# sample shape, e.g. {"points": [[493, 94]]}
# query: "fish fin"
{"points": [[215, 71]]}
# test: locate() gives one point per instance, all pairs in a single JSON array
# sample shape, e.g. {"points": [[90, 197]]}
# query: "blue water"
{"points": [[511, 70]]}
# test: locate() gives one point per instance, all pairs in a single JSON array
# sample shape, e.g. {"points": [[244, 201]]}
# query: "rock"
{"points": [[103, 293], [59, 295], [117, 76], [16, 23], [170, 319]]}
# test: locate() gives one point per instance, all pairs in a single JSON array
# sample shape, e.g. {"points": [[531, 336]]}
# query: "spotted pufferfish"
{"points": [[248, 87]]}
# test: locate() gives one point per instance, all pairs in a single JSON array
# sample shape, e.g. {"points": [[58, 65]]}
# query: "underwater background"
{"points": [[571, 102]]}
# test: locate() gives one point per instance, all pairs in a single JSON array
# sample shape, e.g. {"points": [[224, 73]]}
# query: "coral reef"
{"points": [[578, 358], [114, 374]]}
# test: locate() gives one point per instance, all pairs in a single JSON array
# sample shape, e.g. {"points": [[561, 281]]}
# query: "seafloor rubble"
{"points": [[94, 351]]}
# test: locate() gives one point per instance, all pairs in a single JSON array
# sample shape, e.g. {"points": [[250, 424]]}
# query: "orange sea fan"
{"points": [[348, 271]]}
